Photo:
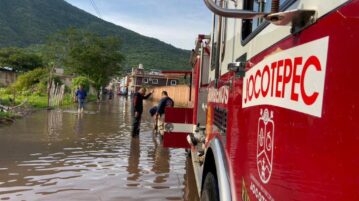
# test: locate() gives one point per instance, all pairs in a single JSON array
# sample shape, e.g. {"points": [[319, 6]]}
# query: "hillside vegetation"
{"points": [[30, 22]]}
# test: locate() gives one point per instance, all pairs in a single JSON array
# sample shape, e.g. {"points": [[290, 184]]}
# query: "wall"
{"points": [[180, 94], [7, 78]]}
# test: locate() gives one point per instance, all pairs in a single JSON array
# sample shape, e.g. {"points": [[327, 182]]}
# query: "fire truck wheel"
{"points": [[210, 188]]}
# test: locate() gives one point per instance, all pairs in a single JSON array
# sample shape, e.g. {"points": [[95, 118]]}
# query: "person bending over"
{"points": [[165, 101]]}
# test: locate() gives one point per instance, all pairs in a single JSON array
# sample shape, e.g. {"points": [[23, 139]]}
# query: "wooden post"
{"points": [[49, 86]]}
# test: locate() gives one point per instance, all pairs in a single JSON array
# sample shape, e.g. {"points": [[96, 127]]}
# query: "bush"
{"points": [[33, 80], [4, 91], [68, 100]]}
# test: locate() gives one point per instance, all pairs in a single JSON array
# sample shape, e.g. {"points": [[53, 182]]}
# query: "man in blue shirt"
{"points": [[81, 96]]}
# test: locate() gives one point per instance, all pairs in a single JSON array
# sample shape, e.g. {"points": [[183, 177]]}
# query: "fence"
{"points": [[56, 95], [180, 94]]}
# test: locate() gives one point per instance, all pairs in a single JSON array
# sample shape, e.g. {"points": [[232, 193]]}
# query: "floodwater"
{"points": [[60, 155]]}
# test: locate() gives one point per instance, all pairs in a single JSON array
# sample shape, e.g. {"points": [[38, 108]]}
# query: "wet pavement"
{"points": [[60, 155]]}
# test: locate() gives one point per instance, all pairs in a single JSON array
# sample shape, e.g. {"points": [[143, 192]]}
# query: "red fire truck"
{"points": [[276, 113]]}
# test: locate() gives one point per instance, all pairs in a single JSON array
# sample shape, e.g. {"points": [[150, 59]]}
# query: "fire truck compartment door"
{"points": [[178, 123]]}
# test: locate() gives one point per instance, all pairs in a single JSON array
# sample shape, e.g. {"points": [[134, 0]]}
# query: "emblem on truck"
{"points": [[265, 145]]}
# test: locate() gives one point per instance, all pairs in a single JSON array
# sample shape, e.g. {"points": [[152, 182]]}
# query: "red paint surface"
{"points": [[314, 159], [179, 115], [175, 140]]}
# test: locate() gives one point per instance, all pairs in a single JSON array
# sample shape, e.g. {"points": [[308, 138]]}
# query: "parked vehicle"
{"points": [[275, 113]]}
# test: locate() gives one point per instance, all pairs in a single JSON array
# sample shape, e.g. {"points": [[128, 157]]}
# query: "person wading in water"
{"points": [[138, 109], [81, 96]]}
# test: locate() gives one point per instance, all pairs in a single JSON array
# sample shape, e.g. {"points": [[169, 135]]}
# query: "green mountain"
{"points": [[30, 22]]}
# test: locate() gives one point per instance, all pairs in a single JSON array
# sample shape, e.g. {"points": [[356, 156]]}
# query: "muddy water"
{"points": [[59, 155]]}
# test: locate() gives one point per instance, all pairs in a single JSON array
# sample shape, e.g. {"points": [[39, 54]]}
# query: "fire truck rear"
{"points": [[276, 111]]}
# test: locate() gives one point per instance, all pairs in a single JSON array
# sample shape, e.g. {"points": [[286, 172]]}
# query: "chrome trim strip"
{"points": [[222, 170]]}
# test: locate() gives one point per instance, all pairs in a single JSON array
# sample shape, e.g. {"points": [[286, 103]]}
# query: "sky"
{"points": [[177, 22]]}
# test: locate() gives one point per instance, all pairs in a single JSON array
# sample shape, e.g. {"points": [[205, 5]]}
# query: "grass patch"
{"points": [[36, 101], [6, 115]]}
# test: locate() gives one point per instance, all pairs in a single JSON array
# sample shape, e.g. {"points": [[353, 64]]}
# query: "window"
{"points": [[217, 23], [253, 25], [145, 80], [173, 82], [154, 81], [224, 33]]}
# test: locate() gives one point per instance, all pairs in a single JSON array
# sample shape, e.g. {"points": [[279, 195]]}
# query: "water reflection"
{"points": [[61, 155], [79, 124], [54, 124], [133, 161], [161, 157]]}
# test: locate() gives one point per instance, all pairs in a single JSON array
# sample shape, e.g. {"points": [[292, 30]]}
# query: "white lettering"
{"points": [[218, 95]]}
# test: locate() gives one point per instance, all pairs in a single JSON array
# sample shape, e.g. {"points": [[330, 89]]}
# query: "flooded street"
{"points": [[60, 155]]}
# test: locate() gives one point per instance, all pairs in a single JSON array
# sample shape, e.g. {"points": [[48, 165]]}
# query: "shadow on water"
{"points": [[62, 155]]}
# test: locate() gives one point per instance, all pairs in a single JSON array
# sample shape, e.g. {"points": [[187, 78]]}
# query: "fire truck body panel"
{"points": [[288, 129], [235, 45]]}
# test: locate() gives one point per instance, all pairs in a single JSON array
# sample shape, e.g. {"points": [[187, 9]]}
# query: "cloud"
{"points": [[181, 35], [176, 22]]}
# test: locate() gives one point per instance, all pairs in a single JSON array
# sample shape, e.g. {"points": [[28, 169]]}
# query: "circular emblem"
{"points": [[265, 141]]}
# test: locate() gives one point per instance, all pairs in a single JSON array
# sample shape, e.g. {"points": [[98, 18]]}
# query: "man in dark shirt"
{"points": [[138, 109], [165, 101]]}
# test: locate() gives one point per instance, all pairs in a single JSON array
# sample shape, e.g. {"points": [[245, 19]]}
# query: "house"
{"points": [[123, 85], [153, 78], [7, 76], [65, 79]]}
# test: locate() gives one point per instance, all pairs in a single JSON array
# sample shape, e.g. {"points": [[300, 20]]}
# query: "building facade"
{"points": [[150, 79]]}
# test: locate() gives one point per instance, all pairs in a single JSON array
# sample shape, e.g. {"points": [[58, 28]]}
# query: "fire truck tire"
{"points": [[210, 188]]}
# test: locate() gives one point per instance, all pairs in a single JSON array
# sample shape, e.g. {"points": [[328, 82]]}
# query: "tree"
{"points": [[20, 59], [81, 80], [86, 54]]}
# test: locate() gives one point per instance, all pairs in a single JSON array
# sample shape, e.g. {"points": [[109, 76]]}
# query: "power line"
{"points": [[96, 8]]}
